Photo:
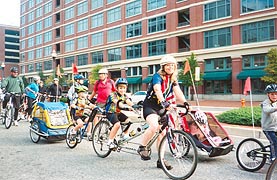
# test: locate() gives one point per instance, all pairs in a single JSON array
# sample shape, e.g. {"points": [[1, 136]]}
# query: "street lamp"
{"points": [[3, 67], [126, 70], [54, 56]]}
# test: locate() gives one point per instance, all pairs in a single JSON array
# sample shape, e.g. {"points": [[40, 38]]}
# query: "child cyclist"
{"points": [[118, 100], [269, 118], [82, 108]]}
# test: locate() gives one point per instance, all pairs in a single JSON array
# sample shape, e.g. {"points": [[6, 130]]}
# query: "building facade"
{"points": [[230, 39], [9, 49]]}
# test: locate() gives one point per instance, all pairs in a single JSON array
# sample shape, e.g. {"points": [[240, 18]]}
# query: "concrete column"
{"points": [[144, 75], [236, 83]]}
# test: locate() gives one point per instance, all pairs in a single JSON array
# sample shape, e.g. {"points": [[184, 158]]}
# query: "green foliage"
{"points": [[94, 74], [25, 81], [63, 99], [271, 69], [241, 116], [41, 75]]}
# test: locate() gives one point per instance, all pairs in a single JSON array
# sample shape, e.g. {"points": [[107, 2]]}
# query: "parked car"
{"points": [[138, 97]]}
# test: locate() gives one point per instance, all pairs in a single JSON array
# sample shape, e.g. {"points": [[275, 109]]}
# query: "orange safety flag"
{"points": [[74, 69], [187, 67], [247, 86], [58, 73]]}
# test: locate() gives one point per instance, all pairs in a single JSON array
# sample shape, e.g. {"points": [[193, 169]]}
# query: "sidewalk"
{"points": [[218, 103]]}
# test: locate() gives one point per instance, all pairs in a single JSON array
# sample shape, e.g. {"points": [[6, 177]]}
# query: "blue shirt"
{"points": [[31, 90]]}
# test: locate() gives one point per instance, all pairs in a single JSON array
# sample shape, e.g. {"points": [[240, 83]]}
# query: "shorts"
{"points": [[116, 117], [150, 108], [83, 118]]}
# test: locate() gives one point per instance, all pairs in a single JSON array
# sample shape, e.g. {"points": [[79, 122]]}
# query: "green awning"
{"points": [[134, 80], [147, 79], [253, 73], [222, 75]]}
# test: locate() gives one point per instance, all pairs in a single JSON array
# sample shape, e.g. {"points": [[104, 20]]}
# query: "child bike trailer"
{"points": [[50, 121]]}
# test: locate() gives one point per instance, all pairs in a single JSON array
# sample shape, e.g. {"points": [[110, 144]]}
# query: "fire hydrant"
{"points": [[242, 102]]}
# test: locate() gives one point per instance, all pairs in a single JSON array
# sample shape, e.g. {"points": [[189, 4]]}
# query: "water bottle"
{"points": [[142, 127], [132, 133]]}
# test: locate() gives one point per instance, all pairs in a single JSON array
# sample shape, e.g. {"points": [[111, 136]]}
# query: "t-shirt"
{"points": [[103, 90], [110, 105]]}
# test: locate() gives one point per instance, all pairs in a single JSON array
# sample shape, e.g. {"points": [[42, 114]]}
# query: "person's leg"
{"points": [[271, 136], [79, 125]]}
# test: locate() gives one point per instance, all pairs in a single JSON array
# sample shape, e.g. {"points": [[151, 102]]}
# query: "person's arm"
{"points": [[92, 95], [5, 82], [70, 93], [180, 97]]}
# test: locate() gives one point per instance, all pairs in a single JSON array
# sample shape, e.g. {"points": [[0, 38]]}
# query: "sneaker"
{"points": [[167, 165], [16, 123], [89, 136], [144, 153], [112, 145]]}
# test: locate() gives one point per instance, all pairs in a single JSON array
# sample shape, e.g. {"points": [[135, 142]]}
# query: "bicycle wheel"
{"points": [[34, 130], [272, 171], [179, 150], [71, 140], [249, 154], [100, 137], [9, 117]]}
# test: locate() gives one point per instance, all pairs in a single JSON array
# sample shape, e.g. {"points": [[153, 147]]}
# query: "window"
{"points": [[69, 13], [97, 39], [39, 39], [69, 29], [30, 67], [22, 20], [48, 22], [48, 65], [47, 51], [82, 42], [23, 8], [82, 25], [217, 38], [114, 54], [38, 1], [23, 32], [155, 4], [96, 4], [69, 61], [31, 29], [114, 15], [255, 5], [82, 59], [58, 32], [97, 57], [30, 55], [22, 69], [67, 1], [30, 42], [47, 36], [218, 87], [39, 12], [48, 7], [133, 51], [97, 20], [114, 34], [31, 16], [134, 71], [38, 66], [254, 61], [216, 10], [157, 24], [133, 30], [153, 69], [69, 45], [258, 31], [39, 53], [38, 26], [110, 1], [82, 8], [133, 8], [22, 44], [57, 17], [31, 4], [218, 64], [157, 47]]}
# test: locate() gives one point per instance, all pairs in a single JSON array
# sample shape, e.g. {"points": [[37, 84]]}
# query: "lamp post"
{"points": [[54, 56], [3, 67], [126, 70]]}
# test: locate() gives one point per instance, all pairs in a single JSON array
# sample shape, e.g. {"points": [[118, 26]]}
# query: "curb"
{"points": [[244, 131]]}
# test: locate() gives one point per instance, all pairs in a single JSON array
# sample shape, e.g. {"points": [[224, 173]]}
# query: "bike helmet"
{"points": [[36, 78], [167, 59], [121, 81], [81, 89], [201, 117], [78, 77], [14, 69], [103, 71], [271, 88]]}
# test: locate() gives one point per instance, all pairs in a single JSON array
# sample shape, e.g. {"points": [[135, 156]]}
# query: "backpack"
{"points": [[109, 102]]}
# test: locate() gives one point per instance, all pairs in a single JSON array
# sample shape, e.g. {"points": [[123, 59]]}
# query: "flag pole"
{"points": [[252, 113], [194, 89]]}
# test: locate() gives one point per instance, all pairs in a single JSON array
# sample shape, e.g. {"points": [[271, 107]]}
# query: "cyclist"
{"points": [[82, 108], [31, 92], [160, 97], [13, 83], [79, 81], [55, 90], [115, 101], [269, 118]]}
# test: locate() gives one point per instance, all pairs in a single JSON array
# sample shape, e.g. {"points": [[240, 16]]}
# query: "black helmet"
{"points": [[271, 88], [121, 81], [14, 69]]}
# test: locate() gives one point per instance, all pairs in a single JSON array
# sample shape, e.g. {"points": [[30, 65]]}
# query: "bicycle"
{"points": [[9, 113], [252, 155], [177, 147], [272, 171]]}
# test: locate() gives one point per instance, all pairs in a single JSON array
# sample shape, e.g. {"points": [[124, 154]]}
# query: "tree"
{"points": [[93, 77], [271, 68], [25, 81]]}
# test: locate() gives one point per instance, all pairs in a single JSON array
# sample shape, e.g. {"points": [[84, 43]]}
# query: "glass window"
{"points": [[133, 51], [97, 20], [217, 38], [82, 25], [47, 51], [39, 53], [96, 4], [22, 33], [97, 57], [254, 61], [69, 61], [47, 36], [155, 4], [114, 54], [82, 59], [48, 7], [31, 29], [114, 15], [153, 69], [38, 26], [31, 16], [69, 45], [255, 5], [67, 1], [157, 24], [23, 8], [38, 1], [39, 39], [133, 8], [31, 55], [114, 34], [22, 69], [218, 64], [31, 42], [48, 65], [22, 44], [258, 31], [218, 87], [48, 22], [110, 1], [157, 47], [30, 67], [133, 30], [22, 20], [69, 13], [39, 12], [82, 42], [97, 39], [82, 8], [31, 4], [69, 29], [216, 10], [39, 66]]}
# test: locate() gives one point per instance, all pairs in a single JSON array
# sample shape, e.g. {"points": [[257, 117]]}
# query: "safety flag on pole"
{"points": [[187, 67], [58, 73], [247, 86], [74, 69]]}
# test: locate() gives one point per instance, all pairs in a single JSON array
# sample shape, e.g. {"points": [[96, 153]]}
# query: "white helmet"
{"points": [[167, 59], [201, 117], [36, 78], [103, 71]]}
